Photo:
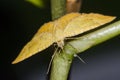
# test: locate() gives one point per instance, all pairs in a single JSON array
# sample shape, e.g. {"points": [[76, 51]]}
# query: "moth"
{"points": [[69, 25]]}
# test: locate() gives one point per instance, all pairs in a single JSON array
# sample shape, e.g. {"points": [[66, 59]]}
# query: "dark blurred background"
{"points": [[19, 20]]}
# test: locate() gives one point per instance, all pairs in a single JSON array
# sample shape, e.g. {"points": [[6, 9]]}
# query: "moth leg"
{"points": [[75, 55]]}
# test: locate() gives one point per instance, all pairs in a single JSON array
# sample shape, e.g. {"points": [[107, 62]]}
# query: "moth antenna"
{"points": [[56, 49], [75, 55]]}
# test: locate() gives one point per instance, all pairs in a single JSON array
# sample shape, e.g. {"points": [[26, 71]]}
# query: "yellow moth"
{"points": [[56, 31]]}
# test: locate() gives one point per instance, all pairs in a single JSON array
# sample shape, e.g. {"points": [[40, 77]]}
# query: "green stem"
{"points": [[87, 41], [58, 8], [62, 61], [61, 64]]}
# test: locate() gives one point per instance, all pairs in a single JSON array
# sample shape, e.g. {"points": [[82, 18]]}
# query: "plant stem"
{"points": [[61, 64], [73, 5], [87, 41], [62, 61], [58, 8]]}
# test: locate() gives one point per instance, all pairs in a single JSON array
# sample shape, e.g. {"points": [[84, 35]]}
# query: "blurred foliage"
{"points": [[38, 3]]}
